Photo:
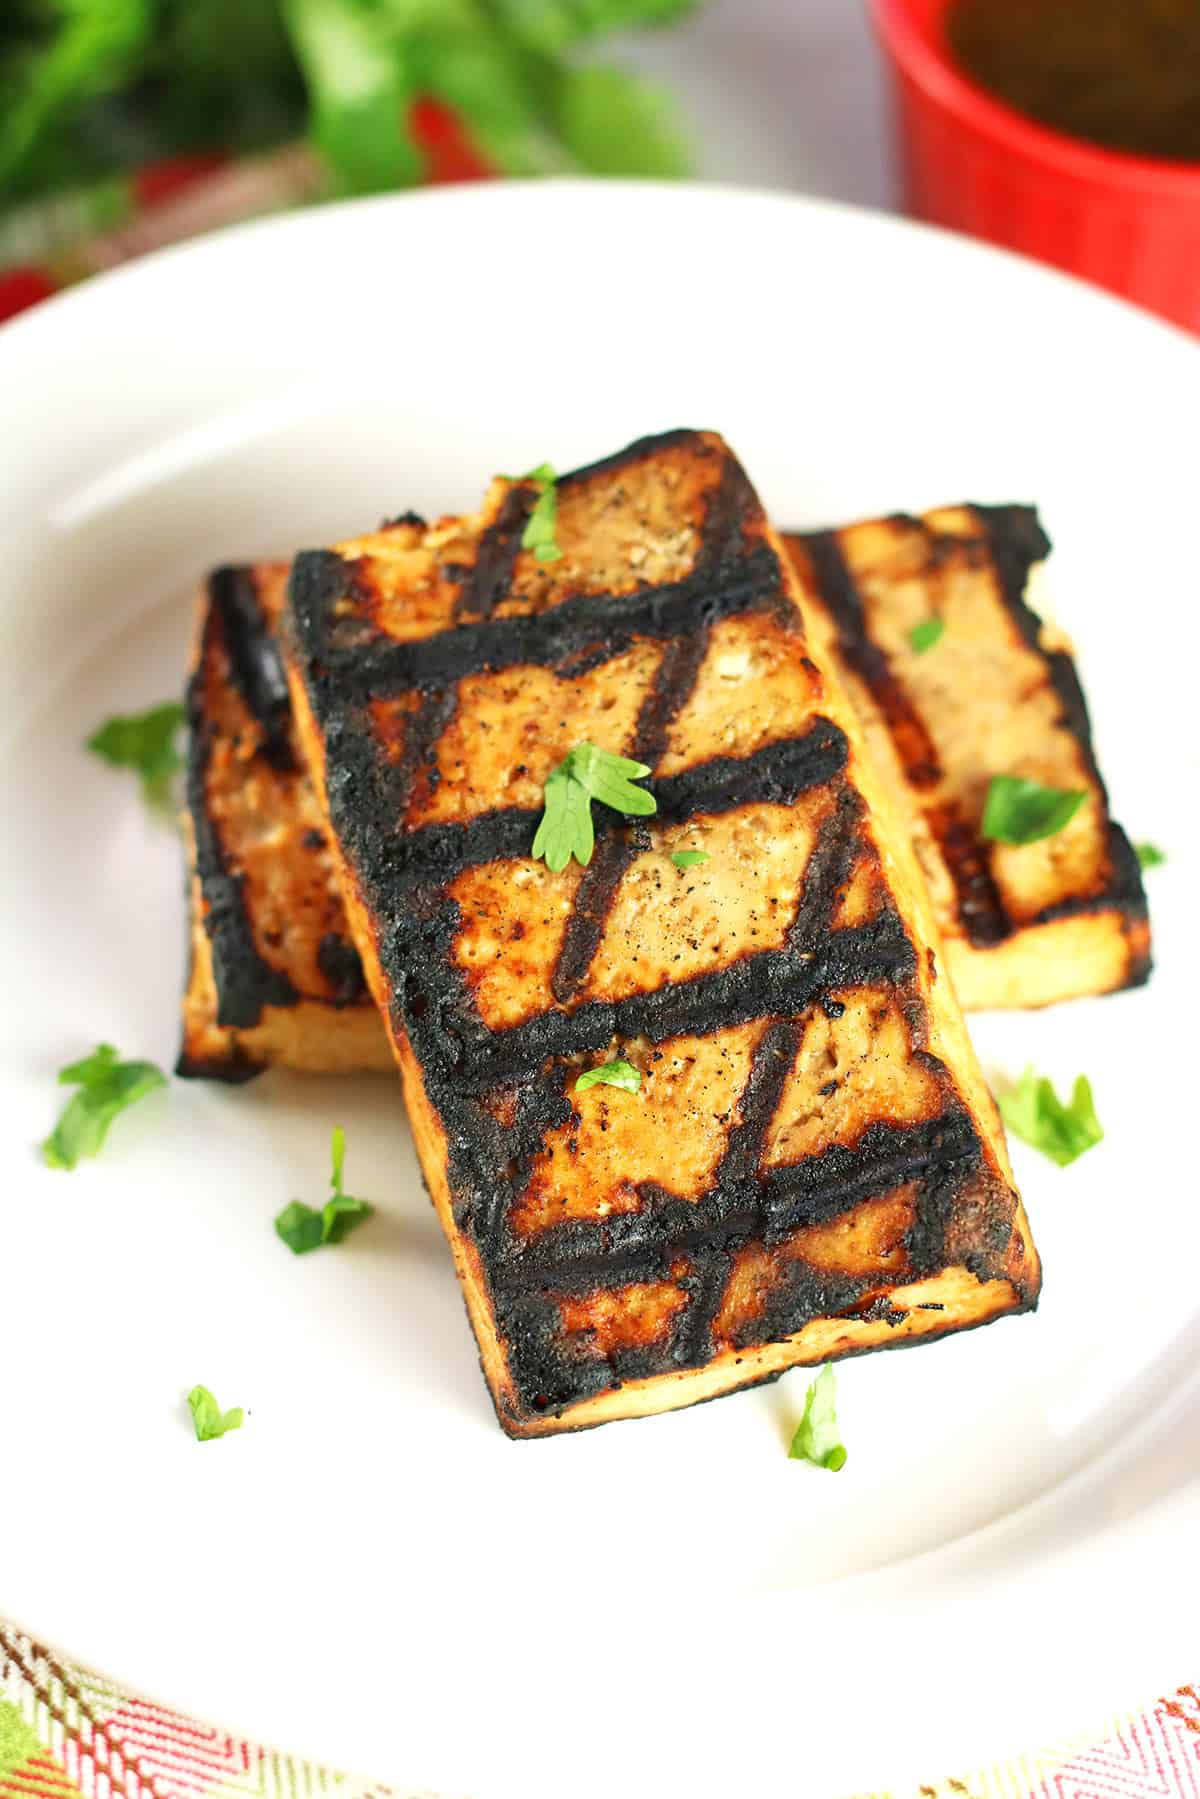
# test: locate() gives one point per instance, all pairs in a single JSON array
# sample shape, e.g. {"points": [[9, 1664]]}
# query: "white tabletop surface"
{"points": [[779, 93]]}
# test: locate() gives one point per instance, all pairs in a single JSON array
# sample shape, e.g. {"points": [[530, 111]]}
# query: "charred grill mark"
{"points": [[338, 961], [254, 660], [980, 907], [417, 771], [639, 1246], [668, 694], [593, 902], [737, 1177], [769, 1071], [1016, 542], [774, 775], [485, 583], [693, 1338], [580, 623], [234, 1070], [839, 591], [245, 981], [829, 868], [770, 983], [727, 514]]}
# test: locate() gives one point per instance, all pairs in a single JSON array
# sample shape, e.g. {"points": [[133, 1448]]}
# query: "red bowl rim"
{"points": [[922, 60]]}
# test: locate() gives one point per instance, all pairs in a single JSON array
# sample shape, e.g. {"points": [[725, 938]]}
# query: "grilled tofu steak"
{"points": [[997, 694], [274, 975], [812, 1165]]}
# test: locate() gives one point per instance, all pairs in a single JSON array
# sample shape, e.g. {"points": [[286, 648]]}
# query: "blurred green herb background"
{"points": [[89, 88]]}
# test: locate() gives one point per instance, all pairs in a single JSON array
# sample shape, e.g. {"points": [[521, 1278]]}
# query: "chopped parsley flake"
{"points": [[817, 1438], [210, 1421], [107, 1087], [304, 1228], [690, 858], [613, 1074], [145, 742], [1034, 1112]]}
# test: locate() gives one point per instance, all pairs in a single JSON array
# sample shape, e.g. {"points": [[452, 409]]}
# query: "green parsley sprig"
{"points": [[612, 1074], [145, 742], [1033, 1111], [585, 774], [817, 1437], [303, 1228], [107, 1087], [1019, 811], [1149, 855], [208, 1418]]}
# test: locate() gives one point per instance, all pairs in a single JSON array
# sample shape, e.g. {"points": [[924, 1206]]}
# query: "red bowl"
{"points": [[1130, 223]]}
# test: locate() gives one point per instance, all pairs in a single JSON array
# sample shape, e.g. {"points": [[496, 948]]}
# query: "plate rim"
{"points": [[65, 312]]}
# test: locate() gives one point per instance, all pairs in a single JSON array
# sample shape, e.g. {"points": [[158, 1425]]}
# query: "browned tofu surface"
{"points": [[273, 975], [812, 1165], [997, 694]]}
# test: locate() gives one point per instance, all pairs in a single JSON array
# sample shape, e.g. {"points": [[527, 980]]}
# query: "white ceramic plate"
{"points": [[369, 1572]]}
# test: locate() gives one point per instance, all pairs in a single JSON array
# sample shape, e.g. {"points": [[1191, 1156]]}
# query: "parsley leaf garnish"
{"points": [[144, 741], [690, 858], [106, 1087], [817, 1438], [1034, 1112], [303, 1228], [586, 774], [1149, 855], [538, 534], [1019, 811], [210, 1421], [613, 1074], [923, 636]]}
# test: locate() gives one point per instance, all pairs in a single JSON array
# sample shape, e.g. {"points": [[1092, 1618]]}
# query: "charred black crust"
{"points": [[245, 982], [339, 962], [774, 776], [939, 1156], [772, 982], [485, 583], [981, 908], [1015, 542], [475, 1076], [235, 1070], [254, 660], [594, 898]]}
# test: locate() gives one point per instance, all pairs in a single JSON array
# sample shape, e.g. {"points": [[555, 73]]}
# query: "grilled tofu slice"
{"points": [[274, 975], [997, 694], [812, 1165]]}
